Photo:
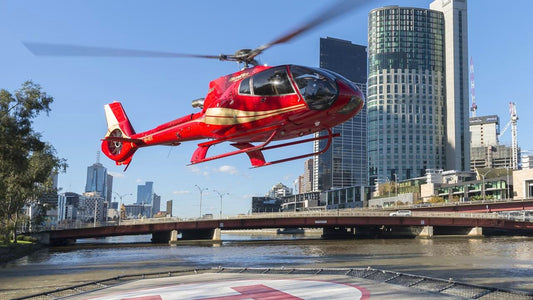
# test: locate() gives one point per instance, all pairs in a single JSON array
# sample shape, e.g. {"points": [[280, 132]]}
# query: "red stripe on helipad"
{"points": [[258, 291]]}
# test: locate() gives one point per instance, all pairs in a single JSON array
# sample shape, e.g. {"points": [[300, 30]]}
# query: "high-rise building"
{"points": [[145, 193], [485, 150], [92, 207], [344, 164], [156, 205], [169, 208], [484, 131], [98, 180], [67, 207], [307, 178], [109, 194], [456, 82], [409, 113]]}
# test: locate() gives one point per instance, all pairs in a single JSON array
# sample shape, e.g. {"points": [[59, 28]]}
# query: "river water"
{"points": [[505, 262]]}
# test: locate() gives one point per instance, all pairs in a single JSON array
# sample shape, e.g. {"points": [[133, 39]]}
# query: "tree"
{"points": [[26, 162]]}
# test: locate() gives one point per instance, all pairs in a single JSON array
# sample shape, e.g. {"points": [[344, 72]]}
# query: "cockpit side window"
{"points": [[318, 88], [272, 82], [244, 88]]}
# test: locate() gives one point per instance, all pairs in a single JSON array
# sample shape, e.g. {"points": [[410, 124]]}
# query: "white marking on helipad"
{"points": [[247, 289]]}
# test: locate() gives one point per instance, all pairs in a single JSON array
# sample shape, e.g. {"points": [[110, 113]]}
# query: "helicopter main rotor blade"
{"points": [[336, 10], [46, 49]]}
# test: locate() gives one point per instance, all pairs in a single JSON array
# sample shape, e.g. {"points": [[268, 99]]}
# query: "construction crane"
{"points": [[473, 109], [514, 137]]}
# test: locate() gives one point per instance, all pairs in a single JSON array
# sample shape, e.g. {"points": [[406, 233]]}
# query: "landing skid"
{"points": [[255, 153]]}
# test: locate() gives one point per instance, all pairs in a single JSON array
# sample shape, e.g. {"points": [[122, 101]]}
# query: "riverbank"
{"points": [[17, 250]]}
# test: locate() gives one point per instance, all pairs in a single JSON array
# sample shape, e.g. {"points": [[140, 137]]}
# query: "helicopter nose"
{"points": [[354, 94], [355, 102]]}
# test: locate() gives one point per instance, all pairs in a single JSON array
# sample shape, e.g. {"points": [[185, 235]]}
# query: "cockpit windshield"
{"points": [[318, 88]]}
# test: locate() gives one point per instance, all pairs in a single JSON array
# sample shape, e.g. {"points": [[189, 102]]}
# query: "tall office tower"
{"points": [[145, 193], [169, 208], [307, 178], [406, 93], [156, 207], [97, 180], [457, 85], [109, 183], [345, 162]]}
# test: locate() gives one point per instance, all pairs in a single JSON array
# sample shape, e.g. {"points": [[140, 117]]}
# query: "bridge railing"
{"points": [[336, 213]]}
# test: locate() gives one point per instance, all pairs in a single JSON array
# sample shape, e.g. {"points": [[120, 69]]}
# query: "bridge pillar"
{"points": [[173, 237], [427, 232], [476, 232], [216, 234]]}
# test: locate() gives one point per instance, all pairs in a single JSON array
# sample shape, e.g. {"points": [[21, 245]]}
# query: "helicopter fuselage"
{"points": [[255, 105]]}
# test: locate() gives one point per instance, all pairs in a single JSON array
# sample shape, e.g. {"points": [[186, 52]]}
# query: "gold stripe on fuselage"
{"points": [[229, 116]]}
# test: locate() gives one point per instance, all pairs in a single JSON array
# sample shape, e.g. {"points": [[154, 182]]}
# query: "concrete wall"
{"points": [[520, 183]]}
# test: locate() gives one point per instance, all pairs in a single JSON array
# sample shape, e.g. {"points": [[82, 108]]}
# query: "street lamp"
{"points": [[120, 205], [220, 194], [201, 191], [483, 183]]}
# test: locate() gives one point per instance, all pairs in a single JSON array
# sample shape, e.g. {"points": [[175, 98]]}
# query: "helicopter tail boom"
{"points": [[117, 143]]}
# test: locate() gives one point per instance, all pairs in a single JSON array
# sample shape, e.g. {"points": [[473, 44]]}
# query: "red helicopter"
{"points": [[250, 108]]}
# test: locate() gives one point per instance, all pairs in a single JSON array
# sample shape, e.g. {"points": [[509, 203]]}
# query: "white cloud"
{"points": [[181, 192], [228, 169], [116, 174], [195, 169]]}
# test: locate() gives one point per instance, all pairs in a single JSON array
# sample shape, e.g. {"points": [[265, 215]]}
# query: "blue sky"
{"points": [[157, 90]]}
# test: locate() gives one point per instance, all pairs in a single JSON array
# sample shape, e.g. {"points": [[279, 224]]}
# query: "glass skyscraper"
{"points": [[345, 162], [145, 192], [97, 180], [418, 90], [406, 93]]}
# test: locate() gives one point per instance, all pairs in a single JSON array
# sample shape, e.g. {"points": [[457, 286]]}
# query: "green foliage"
{"points": [[436, 199], [26, 238], [26, 161]]}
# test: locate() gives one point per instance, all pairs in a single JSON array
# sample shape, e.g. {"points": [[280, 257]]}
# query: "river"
{"points": [[505, 262]]}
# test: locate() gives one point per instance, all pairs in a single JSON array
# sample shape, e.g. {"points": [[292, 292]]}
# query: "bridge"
{"points": [[347, 223]]}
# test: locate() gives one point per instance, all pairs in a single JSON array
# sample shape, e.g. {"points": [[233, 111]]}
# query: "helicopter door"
{"points": [[271, 82]]}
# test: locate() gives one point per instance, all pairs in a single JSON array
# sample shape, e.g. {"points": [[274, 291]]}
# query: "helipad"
{"points": [[277, 283], [257, 286]]}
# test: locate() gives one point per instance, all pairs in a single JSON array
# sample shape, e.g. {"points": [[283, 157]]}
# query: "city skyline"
{"points": [[159, 90]]}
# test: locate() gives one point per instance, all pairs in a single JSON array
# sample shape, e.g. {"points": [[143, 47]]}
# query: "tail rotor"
{"points": [[118, 143]]}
